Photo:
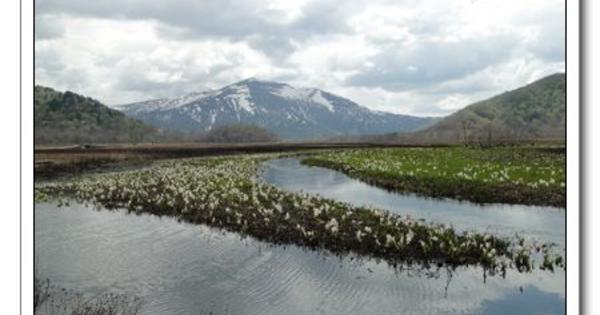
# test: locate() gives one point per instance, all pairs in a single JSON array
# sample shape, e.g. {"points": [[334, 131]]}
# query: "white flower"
{"points": [[359, 235], [332, 225], [409, 236]]}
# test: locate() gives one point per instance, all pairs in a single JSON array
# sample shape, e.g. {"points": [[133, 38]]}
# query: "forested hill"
{"points": [[69, 118], [535, 111]]}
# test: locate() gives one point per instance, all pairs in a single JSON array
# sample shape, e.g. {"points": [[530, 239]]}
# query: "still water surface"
{"points": [[179, 268], [539, 223]]}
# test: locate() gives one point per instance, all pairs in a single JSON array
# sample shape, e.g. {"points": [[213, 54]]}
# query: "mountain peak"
{"points": [[288, 111], [254, 80]]}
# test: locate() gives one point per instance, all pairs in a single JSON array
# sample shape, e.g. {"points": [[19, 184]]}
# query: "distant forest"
{"points": [[237, 133]]}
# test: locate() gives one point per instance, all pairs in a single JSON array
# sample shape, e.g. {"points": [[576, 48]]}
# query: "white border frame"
{"points": [[9, 168], [573, 158], [590, 218], [27, 83]]}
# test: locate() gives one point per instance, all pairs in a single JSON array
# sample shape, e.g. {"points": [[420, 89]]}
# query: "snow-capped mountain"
{"points": [[291, 113]]}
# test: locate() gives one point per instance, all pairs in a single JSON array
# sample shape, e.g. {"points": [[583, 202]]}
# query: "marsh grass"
{"points": [[227, 193], [493, 175]]}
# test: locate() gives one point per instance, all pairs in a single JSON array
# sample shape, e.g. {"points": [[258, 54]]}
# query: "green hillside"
{"points": [[535, 111], [69, 118]]}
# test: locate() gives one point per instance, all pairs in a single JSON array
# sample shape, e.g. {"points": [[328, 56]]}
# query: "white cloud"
{"points": [[120, 61], [425, 58]]}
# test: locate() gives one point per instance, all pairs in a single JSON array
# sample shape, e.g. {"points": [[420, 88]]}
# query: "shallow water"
{"points": [[179, 268], [540, 223]]}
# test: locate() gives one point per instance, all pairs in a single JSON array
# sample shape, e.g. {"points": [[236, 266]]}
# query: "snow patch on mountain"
{"points": [[180, 101], [241, 97], [291, 93], [164, 104], [213, 117], [303, 95], [318, 98]]}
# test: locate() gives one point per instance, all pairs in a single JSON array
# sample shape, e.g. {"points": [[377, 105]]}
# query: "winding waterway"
{"points": [[540, 223], [179, 268]]}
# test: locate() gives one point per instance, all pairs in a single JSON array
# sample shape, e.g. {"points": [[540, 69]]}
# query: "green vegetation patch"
{"points": [[69, 118], [493, 175], [227, 193], [535, 111]]}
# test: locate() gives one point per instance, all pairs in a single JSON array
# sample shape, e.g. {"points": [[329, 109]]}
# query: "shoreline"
{"points": [[232, 198]]}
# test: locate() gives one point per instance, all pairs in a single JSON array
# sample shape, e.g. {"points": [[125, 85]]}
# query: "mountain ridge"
{"points": [[291, 113]]}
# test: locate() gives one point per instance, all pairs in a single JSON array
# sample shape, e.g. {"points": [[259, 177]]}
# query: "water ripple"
{"points": [[179, 268]]}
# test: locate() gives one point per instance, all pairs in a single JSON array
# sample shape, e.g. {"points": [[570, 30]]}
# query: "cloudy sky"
{"points": [[419, 57]]}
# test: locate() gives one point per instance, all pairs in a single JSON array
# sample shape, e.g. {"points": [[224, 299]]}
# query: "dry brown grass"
{"points": [[51, 162]]}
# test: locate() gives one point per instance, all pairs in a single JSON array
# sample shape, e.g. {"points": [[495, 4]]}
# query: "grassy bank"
{"points": [[226, 193], [495, 175]]}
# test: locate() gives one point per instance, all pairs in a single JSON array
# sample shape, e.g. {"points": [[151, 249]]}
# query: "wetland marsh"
{"points": [[522, 175], [324, 233]]}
